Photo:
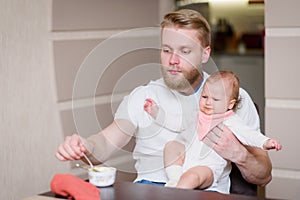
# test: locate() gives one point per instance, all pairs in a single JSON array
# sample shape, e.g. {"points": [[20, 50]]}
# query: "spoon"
{"points": [[89, 161]]}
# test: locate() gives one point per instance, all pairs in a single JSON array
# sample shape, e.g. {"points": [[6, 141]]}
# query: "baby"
{"points": [[218, 101]]}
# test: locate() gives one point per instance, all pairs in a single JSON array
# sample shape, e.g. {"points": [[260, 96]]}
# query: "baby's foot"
{"points": [[151, 107]]}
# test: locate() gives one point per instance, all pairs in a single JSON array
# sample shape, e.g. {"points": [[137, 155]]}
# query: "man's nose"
{"points": [[174, 59]]}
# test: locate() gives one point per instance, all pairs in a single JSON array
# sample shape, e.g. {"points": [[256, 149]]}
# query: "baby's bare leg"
{"points": [[197, 177], [174, 155]]}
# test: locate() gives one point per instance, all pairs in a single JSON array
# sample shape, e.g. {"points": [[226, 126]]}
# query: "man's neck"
{"points": [[194, 87]]}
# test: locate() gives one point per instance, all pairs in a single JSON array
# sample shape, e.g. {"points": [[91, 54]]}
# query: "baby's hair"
{"points": [[229, 78]]}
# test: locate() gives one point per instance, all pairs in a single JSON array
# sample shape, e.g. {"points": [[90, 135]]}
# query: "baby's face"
{"points": [[215, 98]]}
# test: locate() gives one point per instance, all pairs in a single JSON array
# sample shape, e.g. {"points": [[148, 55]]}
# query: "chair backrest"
{"points": [[239, 185]]}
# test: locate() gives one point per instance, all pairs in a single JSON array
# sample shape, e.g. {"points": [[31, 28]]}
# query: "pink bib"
{"points": [[207, 122]]}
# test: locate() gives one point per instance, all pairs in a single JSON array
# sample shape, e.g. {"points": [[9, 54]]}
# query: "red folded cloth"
{"points": [[68, 185]]}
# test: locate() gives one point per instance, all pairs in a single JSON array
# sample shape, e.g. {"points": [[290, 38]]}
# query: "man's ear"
{"points": [[231, 104], [206, 54]]}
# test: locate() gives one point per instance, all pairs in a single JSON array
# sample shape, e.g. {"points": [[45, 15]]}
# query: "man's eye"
{"points": [[204, 97], [216, 99], [185, 51], [166, 50]]}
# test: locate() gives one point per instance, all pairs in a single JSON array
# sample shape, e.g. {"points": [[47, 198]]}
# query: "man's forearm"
{"points": [[255, 166], [98, 145], [111, 139]]}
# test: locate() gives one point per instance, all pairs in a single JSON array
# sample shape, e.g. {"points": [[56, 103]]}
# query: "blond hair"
{"points": [[189, 19]]}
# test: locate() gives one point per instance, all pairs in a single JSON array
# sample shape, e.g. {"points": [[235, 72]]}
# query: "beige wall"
{"points": [[29, 122], [282, 94], [36, 80]]}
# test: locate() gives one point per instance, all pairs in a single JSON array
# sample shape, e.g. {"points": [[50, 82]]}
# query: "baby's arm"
{"points": [[272, 144], [250, 137], [168, 120], [151, 107]]}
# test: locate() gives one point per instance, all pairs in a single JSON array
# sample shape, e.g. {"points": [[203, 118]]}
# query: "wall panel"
{"points": [[284, 188], [103, 14], [68, 56], [70, 61], [283, 123], [282, 95], [282, 13], [282, 58]]}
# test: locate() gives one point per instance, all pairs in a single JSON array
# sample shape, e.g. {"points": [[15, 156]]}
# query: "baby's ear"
{"points": [[231, 104]]}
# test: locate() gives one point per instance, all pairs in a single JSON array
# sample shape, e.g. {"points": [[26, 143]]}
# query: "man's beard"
{"points": [[183, 83]]}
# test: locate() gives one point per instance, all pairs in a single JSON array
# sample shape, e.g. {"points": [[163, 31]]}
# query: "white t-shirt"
{"points": [[151, 137]]}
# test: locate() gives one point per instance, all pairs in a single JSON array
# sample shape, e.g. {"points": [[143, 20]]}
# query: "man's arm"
{"points": [[98, 147], [110, 140], [254, 164]]}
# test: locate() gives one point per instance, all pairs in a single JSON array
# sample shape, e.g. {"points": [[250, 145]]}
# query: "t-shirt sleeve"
{"points": [[247, 111]]}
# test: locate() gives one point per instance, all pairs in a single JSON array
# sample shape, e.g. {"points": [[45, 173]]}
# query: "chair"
{"points": [[239, 185]]}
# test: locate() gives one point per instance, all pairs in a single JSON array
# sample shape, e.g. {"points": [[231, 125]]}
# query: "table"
{"points": [[133, 191]]}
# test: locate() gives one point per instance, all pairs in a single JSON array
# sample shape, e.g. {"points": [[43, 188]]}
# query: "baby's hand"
{"points": [[151, 107], [272, 144]]}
